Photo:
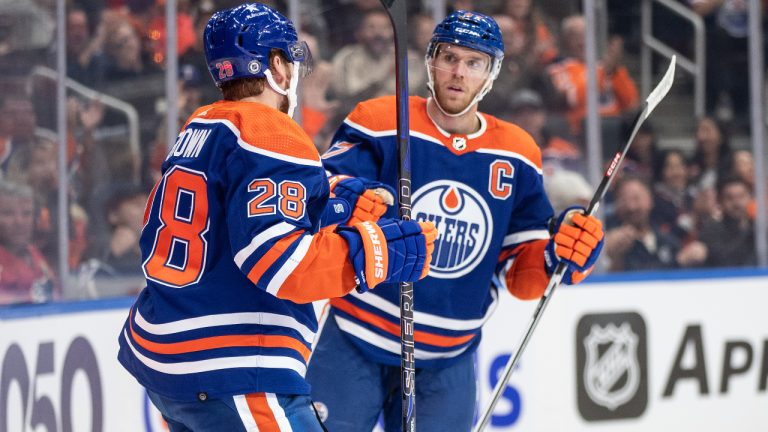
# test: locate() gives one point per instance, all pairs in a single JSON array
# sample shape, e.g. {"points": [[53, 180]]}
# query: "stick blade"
{"points": [[662, 88]]}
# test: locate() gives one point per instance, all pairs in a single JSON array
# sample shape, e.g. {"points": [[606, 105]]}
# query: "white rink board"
{"points": [[726, 311], [34, 343]]}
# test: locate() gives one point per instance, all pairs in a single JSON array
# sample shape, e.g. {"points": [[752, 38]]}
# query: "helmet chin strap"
{"points": [[292, 86], [478, 97]]}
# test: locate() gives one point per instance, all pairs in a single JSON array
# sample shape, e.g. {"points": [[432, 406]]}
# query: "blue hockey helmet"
{"points": [[471, 30], [238, 42]]}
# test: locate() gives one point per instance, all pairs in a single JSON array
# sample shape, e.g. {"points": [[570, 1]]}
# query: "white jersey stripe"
{"points": [[268, 234], [390, 132], [253, 149], [290, 265], [260, 318], [245, 414], [390, 345], [425, 137], [184, 368], [524, 236], [282, 420], [507, 153], [371, 299]]}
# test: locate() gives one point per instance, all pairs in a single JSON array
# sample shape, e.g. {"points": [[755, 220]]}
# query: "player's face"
{"points": [[459, 74]]}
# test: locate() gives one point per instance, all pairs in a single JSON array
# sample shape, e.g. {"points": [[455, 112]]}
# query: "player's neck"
{"points": [[268, 97], [464, 124]]}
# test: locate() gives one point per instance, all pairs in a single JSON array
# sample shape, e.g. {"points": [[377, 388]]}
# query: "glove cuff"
{"points": [[376, 253]]}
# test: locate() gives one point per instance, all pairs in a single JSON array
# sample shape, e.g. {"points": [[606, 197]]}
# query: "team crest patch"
{"points": [[464, 222]]}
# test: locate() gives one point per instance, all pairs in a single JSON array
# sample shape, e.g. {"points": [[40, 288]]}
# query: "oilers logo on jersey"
{"points": [[464, 221]]}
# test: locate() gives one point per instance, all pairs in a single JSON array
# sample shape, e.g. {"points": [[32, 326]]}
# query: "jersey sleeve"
{"points": [[521, 266], [273, 212]]}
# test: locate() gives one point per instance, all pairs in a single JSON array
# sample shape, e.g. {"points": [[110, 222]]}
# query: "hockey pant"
{"points": [[242, 413], [353, 391]]}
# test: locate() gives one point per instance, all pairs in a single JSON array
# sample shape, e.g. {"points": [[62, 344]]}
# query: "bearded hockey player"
{"points": [[239, 240], [479, 179]]}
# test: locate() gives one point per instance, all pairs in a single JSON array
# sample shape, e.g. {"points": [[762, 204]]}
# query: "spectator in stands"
{"points": [[420, 28], [25, 274], [316, 106], [633, 243], [343, 18], [617, 91], [84, 65], [87, 160], [195, 57], [642, 154], [539, 42], [122, 48], [124, 211], [726, 23], [526, 109], [18, 122], [36, 165], [155, 33], [672, 213], [743, 167], [713, 153], [367, 68], [519, 69], [20, 118], [731, 241]]}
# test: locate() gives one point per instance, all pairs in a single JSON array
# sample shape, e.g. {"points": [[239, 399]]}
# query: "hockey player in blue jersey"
{"points": [[479, 179], [238, 240]]}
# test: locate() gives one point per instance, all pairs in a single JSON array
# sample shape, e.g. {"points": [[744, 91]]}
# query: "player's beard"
{"points": [[453, 106]]}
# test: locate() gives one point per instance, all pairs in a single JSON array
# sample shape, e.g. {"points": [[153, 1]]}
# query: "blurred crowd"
{"points": [[671, 208]]}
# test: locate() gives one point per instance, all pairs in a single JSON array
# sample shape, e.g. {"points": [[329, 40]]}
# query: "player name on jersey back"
{"points": [[189, 143]]}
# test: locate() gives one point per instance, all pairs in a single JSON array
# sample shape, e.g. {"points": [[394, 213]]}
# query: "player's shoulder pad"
{"points": [[378, 116], [261, 129], [509, 138]]}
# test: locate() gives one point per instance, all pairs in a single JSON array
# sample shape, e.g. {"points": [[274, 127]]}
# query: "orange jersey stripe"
{"points": [[324, 272], [229, 341], [262, 413], [271, 256], [394, 329]]}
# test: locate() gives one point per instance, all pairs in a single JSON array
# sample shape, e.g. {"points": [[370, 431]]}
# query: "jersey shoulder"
{"points": [[259, 128], [508, 138], [379, 115]]}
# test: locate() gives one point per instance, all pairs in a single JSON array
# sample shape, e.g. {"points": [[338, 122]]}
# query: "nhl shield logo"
{"points": [[618, 361], [464, 222], [611, 366]]}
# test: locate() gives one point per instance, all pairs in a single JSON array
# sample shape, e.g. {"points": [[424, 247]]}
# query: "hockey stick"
{"points": [[653, 99], [399, 18]]}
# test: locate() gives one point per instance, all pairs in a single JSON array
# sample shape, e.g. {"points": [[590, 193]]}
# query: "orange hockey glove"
{"points": [[577, 241]]}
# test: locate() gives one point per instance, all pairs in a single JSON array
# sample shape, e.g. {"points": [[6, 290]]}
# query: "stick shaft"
{"points": [[398, 16], [656, 95]]}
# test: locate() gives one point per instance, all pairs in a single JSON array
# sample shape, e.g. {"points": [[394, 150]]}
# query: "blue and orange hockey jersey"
{"points": [[231, 241], [485, 194]]}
